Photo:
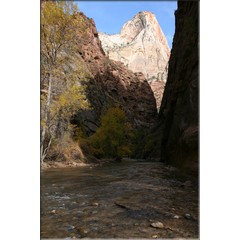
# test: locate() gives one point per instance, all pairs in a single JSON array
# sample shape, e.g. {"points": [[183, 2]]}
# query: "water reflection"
{"points": [[128, 196]]}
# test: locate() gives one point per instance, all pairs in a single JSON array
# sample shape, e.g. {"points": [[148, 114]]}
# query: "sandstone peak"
{"points": [[111, 80], [142, 47], [143, 21]]}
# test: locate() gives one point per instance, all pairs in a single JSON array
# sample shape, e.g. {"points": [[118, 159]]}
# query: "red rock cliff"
{"points": [[110, 79]]}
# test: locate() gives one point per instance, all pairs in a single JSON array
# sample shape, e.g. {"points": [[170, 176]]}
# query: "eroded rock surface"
{"points": [[175, 134], [142, 47], [111, 80]]}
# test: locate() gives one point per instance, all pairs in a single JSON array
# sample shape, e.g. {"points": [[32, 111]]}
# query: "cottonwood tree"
{"points": [[62, 71], [113, 135]]}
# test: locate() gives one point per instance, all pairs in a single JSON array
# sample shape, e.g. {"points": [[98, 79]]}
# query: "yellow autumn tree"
{"points": [[62, 71], [113, 135]]}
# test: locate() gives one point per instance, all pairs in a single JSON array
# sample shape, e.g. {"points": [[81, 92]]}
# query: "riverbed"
{"points": [[119, 200]]}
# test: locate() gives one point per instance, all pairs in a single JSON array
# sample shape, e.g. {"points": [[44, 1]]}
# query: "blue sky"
{"points": [[109, 16]]}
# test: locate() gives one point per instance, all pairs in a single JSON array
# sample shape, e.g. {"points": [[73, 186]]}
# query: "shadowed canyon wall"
{"points": [[111, 80], [174, 137]]}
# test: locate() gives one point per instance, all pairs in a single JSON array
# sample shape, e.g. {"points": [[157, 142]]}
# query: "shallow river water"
{"points": [[118, 200]]}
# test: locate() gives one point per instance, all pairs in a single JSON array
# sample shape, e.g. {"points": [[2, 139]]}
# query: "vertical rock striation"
{"points": [[142, 47], [176, 130]]}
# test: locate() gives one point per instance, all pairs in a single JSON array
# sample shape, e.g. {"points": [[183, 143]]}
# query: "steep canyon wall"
{"points": [[175, 135], [142, 47], [111, 80]]}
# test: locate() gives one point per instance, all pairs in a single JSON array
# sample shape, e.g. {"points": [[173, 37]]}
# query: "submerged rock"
{"points": [[188, 184], [187, 216], [94, 204], [82, 230], [167, 214]]}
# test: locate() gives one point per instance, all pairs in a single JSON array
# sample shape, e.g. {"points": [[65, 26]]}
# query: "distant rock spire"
{"points": [[142, 47]]}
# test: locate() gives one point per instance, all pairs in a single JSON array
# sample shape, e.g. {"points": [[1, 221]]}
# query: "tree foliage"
{"points": [[62, 72], [113, 135]]}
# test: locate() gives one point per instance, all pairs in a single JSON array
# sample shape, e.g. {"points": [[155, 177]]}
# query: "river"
{"points": [[118, 200]]}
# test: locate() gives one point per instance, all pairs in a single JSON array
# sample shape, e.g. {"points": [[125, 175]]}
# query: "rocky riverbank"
{"points": [[64, 164]]}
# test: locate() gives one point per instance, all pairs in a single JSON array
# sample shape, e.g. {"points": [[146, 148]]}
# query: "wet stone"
{"points": [[157, 225], [188, 184], [94, 204], [123, 184], [167, 214], [82, 230]]}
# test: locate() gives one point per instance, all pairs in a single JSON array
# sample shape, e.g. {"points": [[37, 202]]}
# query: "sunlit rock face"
{"points": [[142, 47], [110, 80]]}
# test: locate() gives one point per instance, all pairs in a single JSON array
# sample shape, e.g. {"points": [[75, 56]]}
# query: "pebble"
{"points": [[53, 211], [167, 214], [157, 225], [188, 184], [82, 231], [95, 204], [187, 216], [53, 185], [173, 209], [179, 191], [154, 236], [136, 224], [176, 217], [94, 212]]}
